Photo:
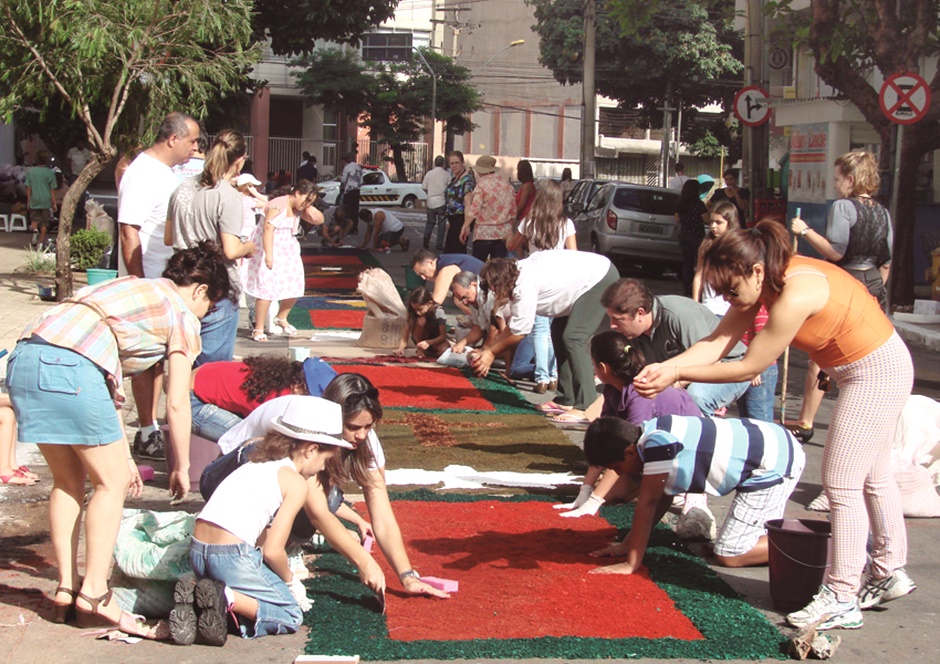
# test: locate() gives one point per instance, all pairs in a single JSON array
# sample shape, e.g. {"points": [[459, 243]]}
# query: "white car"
{"points": [[377, 189]]}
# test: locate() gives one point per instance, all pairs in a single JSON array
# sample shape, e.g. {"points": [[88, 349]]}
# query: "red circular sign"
{"points": [[905, 98], [751, 106]]}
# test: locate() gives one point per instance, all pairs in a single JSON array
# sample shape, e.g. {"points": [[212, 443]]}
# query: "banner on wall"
{"points": [[808, 168]]}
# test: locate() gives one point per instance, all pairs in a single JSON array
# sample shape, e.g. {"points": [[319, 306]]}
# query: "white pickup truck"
{"points": [[378, 189]]}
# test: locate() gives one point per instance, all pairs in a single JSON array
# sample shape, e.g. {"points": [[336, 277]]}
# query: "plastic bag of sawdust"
{"points": [[386, 318], [154, 545]]}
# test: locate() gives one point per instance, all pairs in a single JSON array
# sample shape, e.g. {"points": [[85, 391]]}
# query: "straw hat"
{"points": [[312, 419], [485, 165]]}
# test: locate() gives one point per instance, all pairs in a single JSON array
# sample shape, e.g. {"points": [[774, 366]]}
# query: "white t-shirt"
{"points": [[565, 234], [391, 223], [676, 182], [435, 183], [254, 426], [78, 159], [550, 282], [143, 199]]}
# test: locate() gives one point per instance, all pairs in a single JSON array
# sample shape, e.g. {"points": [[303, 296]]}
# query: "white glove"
{"points": [[589, 508], [299, 592], [583, 495]]}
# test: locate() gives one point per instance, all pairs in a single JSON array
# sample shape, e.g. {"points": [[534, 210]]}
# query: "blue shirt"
{"points": [[465, 262], [717, 456]]}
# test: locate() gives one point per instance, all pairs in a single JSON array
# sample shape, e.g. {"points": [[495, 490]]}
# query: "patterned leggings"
{"points": [[856, 471]]}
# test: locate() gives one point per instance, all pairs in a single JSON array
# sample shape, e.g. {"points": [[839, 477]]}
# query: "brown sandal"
{"points": [[64, 612], [127, 623]]}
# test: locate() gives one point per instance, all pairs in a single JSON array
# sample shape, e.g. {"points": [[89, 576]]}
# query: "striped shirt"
{"points": [[717, 456], [124, 326]]}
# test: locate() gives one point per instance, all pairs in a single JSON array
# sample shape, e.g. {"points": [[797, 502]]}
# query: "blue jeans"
{"points": [[709, 397], [546, 369], [758, 402], [436, 217], [523, 360], [218, 333], [241, 567], [210, 421]]}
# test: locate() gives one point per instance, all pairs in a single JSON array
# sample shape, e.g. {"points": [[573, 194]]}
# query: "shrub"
{"points": [[88, 246], [38, 259]]}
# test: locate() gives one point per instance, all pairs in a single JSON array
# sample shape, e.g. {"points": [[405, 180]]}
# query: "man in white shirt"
{"points": [[143, 198], [384, 229], [77, 158], [679, 179], [435, 183]]}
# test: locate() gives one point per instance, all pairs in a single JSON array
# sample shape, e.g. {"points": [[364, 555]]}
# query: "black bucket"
{"points": [[800, 555]]}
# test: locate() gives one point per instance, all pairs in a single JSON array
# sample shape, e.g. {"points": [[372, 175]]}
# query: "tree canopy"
{"points": [[851, 38], [294, 26], [642, 47], [392, 99], [110, 63]]}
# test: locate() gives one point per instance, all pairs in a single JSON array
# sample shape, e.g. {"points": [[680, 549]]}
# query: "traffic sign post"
{"points": [[905, 98], [751, 106]]}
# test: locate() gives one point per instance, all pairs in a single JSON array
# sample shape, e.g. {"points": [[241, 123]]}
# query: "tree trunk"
{"points": [[399, 160], [63, 268]]}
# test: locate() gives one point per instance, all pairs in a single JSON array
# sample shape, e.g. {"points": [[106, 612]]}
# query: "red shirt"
{"points": [[220, 383]]}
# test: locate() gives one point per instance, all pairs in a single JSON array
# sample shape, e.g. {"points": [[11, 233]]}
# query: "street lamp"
{"points": [[433, 105], [517, 42]]}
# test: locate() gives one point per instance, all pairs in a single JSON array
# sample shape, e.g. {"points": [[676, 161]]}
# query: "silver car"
{"points": [[631, 221]]}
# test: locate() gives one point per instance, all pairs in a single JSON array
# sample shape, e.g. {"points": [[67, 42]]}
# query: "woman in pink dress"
{"points": [[276, 273]]}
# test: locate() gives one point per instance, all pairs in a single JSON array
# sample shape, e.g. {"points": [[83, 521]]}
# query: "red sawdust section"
{"points": [[337, 319], [523, 573], [420, 387], [331, 283], [315, 259]]}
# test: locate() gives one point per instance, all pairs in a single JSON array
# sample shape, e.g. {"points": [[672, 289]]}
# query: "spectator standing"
{"points": [[459, 194], [40, 197], [210, 208], [740, 196], [567, 184], [351, 180], [194, 165], [308, 169], [143, 199], [491, 213], [691, 215], [77, 158], [435, 184], [679, 179], [526, 194]]}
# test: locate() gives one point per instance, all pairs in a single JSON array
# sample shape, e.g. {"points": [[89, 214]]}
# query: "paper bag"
{"points": [[386, 318]]}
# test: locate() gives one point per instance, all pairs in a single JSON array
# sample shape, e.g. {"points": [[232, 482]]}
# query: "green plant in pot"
{"points": [[88, 246]]}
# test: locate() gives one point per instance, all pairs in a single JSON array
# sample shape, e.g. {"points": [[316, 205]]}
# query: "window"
{"points": [[646, 200]]}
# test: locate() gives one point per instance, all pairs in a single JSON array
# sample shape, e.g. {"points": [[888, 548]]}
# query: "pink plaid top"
{"points": [[494, 208], [124, 326]]}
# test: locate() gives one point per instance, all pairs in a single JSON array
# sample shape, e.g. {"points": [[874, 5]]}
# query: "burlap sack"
{"points": [[386, 319]]}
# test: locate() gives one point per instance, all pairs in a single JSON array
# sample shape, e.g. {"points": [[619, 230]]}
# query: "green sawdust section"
{"points": [[506, 399], [521, 443], [344, 619]]}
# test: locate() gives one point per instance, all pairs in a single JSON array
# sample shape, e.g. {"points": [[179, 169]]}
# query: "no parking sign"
{"points": [[905, 98]]}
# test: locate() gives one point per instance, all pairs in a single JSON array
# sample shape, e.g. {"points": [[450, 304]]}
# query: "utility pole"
{"points": [[667, 136], [756, 141], [588, 91]]}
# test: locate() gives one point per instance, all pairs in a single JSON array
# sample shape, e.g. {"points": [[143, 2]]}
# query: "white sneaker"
{"points": [[828, 612], [878, 591]]}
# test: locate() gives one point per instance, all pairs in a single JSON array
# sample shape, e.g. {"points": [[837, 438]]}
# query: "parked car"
{"points": [[577, 200], [630, 221], [378, 189]]}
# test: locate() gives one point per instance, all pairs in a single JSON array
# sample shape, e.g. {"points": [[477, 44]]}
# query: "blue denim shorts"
{"points": [[60, 397], [241, 567]]}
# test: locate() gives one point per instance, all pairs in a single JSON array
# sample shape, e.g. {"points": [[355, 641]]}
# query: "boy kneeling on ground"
{"points": [[760, 461]]}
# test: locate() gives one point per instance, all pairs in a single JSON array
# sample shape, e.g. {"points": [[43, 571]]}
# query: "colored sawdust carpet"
{"points": [[328, 312], [434, 441], [335, 270], [439, 389], [525, 591]]}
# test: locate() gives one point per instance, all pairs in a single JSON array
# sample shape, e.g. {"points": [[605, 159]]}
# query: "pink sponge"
{"points": [[146, 473], [447, 585], [367, 543]]}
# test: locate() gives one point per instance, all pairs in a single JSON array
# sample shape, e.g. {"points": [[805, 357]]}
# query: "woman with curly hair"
{"points": [[223, 393]]}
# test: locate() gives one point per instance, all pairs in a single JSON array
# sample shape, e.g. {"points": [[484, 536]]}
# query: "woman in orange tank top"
{"points": [[822, 310]]}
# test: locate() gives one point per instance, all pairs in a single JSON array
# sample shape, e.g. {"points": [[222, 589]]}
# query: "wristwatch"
{"points": [[804, 231], [409, 574]]}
